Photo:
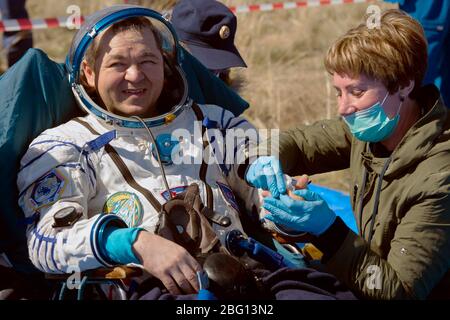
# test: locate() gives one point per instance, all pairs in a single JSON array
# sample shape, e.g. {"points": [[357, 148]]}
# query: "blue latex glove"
{"points": [[265, 173], [311, 215]]}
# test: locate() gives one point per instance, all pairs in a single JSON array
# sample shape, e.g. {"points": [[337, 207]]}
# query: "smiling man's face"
{"points": [[128, 72]]}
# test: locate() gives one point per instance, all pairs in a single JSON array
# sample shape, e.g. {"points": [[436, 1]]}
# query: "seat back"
{"points": [[34, 96]]}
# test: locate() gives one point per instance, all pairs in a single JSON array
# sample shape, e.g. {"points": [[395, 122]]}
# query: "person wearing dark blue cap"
{"points": [[208, 29]]}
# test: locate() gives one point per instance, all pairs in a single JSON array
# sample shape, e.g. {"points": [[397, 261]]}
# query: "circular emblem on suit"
{"points": [[125, 205], [224, 32]]}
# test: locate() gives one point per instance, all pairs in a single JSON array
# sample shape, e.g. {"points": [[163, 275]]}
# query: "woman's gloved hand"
{"points": [[309, 215], [265, 173]]}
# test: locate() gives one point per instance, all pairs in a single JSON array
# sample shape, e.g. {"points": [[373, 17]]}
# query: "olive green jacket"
{"points": [[409, 253]]}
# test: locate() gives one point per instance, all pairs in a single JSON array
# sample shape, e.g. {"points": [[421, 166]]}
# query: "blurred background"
{"points": [[285, 82]]}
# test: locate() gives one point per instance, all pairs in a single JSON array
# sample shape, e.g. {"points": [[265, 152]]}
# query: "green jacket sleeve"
{"points": [[419, 255], [309, 149]]}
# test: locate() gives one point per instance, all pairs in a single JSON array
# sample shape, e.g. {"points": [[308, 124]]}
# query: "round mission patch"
{"points": [[127, 206]]}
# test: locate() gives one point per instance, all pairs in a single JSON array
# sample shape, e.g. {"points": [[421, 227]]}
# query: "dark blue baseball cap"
{"points": [[208, 28]]}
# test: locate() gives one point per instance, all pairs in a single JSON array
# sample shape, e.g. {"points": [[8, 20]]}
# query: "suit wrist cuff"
{"points": [[99, 230]]}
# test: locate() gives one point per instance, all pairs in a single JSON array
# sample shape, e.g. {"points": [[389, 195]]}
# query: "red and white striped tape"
{"points": [[291, 5], [49, 23], [33, 24]]}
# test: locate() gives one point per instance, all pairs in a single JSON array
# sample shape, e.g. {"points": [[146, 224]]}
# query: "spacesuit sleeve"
{"points": [[240, 136], [56, 176]]}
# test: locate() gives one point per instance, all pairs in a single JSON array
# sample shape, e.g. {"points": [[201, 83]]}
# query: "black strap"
{"points": [[124, 169], [377, 198], [204, 167], [361, 198]]}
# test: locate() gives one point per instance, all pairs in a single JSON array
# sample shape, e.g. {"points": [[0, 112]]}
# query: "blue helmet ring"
{"points": [[99, 22]]}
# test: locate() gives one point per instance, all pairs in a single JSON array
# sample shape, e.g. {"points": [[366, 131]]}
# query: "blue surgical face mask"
{"points": [[372, 124]]}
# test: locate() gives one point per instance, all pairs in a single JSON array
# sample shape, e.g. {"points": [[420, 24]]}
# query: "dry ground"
{"points": [[285, 82]]}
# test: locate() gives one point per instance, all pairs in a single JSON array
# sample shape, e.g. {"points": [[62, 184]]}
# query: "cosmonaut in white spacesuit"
{"points": [[92, 188]]}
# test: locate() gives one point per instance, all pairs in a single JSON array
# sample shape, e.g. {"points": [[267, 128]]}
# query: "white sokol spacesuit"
{"points": [[101, 169]]}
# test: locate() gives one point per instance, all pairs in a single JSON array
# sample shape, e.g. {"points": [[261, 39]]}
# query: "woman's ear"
{"points": [[89, 74], [405, 91]]}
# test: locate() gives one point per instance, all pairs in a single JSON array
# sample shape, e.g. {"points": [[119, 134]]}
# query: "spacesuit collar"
{"points": [[164, 120]]}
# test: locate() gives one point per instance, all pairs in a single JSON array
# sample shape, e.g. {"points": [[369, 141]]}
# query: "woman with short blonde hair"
{"points": [[394, 53], [394, 136]]}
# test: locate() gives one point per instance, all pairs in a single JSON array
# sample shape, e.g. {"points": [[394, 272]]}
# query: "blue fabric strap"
{"points": [[102, 140]]}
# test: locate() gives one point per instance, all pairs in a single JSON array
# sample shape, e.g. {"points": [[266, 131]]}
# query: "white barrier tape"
{"points": [[49, 23]]}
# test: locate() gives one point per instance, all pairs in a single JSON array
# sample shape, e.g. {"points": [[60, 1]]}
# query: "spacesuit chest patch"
{"points": [[173, 191], [127, 206], [48, 189], [228, 195]]}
